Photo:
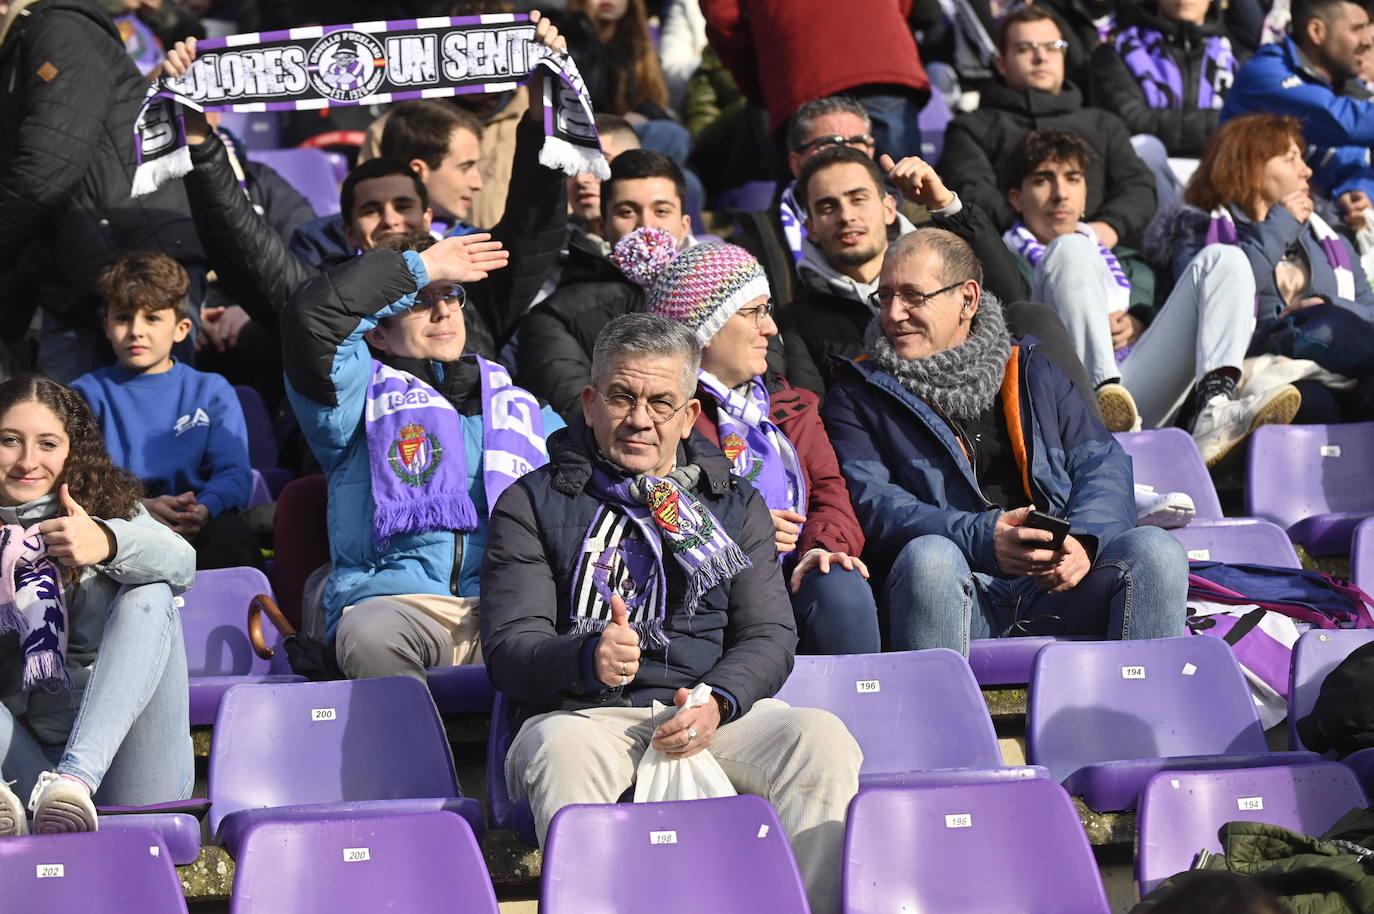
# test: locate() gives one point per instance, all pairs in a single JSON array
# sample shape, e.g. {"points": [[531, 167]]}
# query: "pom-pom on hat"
{"points": [[702, 287]]}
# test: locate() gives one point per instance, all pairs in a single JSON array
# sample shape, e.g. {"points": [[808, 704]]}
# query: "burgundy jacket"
{"points": [[830, 521]]}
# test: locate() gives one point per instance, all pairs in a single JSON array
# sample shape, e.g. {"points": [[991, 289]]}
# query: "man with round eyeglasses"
{"points": [[950, 434], [1034, 94], [632, 569]]}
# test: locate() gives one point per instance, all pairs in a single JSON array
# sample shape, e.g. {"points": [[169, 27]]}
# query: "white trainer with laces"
{"points": [[61, 805], [13, 821], [1224, 423], [1167, 510]]}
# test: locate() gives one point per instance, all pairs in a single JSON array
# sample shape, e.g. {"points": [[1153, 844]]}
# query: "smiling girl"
{"points": [[93, 693]]}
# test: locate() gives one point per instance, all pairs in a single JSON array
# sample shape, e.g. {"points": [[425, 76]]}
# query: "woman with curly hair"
{"points": [[93, 694]]}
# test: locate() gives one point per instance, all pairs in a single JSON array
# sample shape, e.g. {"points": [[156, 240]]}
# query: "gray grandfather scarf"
{"points": [[960, 382]]}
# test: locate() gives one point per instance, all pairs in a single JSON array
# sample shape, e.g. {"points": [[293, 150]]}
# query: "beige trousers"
{"points": [[801, 760], [403, 635]]}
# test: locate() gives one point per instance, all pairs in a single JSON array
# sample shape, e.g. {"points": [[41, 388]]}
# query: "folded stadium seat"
{"points": [[918, 716], [933, 121], [1245, 541], [1007, 661], [1362, 555], [262, 441], [301, 539], [103, 872], [258, 130], [328, 750], [1168, 460], [423, 862], [727, 856], [309, 171], [259, 493], [1315, 481], [179, 831], [1104, 716], [1181, 811], [505, 812], [214, 616], [1316, 654], [754, 196], [984, 848]]}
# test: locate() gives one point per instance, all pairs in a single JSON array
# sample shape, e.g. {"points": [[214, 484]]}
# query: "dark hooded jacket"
{"points": [[1121, 190]]}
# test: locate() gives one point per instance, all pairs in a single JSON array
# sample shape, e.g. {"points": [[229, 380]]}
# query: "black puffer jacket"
{"points": [[741, 638], [1181, 129], [1121, 190], [260, 272], [69, 95]]}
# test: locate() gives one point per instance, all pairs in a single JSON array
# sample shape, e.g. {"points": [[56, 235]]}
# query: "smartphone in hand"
{"points": [[1057, 526]]}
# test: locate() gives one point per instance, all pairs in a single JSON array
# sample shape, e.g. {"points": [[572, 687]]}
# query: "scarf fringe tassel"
{"points": [[722, 566], [47, 671], [560, 155], [650, 631], [154, 173], [449, 512]]}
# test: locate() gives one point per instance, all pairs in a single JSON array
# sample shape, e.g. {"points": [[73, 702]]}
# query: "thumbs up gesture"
{"points": [[617, 653], [76, 539]]}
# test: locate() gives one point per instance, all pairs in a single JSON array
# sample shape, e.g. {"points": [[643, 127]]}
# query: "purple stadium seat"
{"points": [[984, 848], [1315, 481], [918, 716], [257, 129], [423, 862], [309, 171], [262, 441], [458, 689], [1168, 459], [1104, 716], [1254, 541], [1007, 661], [1317, 653], [179, 831], [755, 196], [933, 120], [104, 872], [505, 813], [726, 856], [314, 750], [214, 616], [1181, 811], [1362, 555]]}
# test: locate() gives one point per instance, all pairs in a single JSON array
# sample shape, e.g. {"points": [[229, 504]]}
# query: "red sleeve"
{"points": [[727, 28], [830, 521]]}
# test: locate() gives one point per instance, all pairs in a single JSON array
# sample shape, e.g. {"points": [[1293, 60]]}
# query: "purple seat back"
{"points": [[934, 120], [1298, 473], [214, 625], [983, 848], [1181, 811], [1100, 701], [1316, 654], [327, 742], [1168, 460], [309, 171], [258, 129], [262, 441], [755, 196], [616, 857], [1362, 555], [1254, 541], [908, 711], [423, 862], [104, 872], [505, 813]]}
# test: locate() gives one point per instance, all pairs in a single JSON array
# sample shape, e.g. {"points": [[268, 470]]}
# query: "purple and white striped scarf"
{"points": [[1222, 230], [757, 448], [418, 456], [31, 604], [663, 515], [1146, 56]]}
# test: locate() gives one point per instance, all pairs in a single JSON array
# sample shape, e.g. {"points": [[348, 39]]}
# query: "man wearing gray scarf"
{"points": [[949, 434]]}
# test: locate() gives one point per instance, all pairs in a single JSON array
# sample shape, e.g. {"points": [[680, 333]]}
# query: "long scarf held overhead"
{"points": [[418, 457], [367, 63], [1146, 55], [1222, 230], [31, 604], [641, 520], [757, 448]]}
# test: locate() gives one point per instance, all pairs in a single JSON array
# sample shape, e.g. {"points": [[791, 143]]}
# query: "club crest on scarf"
{"points": [[676, 515], [747, 466], [346, 66], [415, 455]]}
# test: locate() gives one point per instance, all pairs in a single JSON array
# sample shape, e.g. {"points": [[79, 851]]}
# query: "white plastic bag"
{"points": [[694, 778]]}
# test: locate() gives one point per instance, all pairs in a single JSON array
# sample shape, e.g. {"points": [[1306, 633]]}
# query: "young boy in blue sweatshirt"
{"points": [[179, 430]]}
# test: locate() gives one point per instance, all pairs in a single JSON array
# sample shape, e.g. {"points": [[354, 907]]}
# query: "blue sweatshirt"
{"points": [[178, 431]]}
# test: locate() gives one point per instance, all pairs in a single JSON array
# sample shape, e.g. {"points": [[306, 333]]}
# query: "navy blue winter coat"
{"points": [[908, 475]]}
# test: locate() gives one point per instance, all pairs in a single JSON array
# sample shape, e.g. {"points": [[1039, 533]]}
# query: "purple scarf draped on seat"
{"points": [[1146, 56]]}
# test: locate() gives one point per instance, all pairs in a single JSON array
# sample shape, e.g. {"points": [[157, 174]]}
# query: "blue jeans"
{"points": [[836, 613], [895, 113], [131, 740], [1137, 589]]}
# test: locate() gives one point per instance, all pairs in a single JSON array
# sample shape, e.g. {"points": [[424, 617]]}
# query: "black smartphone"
{"points": [[1056, 525]]}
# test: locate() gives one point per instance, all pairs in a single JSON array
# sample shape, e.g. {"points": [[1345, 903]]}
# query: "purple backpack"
{"points": [[1306, 596]]}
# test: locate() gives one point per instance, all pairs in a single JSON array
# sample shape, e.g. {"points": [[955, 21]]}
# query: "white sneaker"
{"points": [[1118, 408], [13, 821], [60, 805], [1224, 423], [1168, 510]]}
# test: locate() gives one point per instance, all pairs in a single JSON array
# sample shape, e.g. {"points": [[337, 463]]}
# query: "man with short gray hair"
{"points": [[631, 569]]}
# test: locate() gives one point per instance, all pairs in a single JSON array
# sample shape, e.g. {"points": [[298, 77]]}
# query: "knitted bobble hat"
{"points": [[702, 287]]}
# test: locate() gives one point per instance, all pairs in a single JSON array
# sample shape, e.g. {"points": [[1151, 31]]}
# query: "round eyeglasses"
{"points": [[621, 405]]}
